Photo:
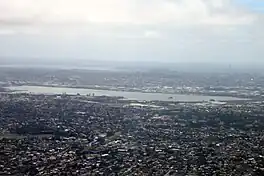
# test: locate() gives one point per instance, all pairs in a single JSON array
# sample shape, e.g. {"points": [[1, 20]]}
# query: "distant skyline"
{"points": [[188, 31]]}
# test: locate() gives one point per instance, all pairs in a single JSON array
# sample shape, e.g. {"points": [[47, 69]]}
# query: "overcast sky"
{"points": [[148, 30]]}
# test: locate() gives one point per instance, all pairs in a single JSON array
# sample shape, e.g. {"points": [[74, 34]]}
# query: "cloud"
{"points": [[137, 12], [131, 29]]}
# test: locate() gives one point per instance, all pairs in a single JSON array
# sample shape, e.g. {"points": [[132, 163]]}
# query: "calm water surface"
{"points": [[127, 95]]}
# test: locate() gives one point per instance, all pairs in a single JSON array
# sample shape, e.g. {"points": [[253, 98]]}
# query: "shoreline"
{"points": [[137, 95], [137, 91]]}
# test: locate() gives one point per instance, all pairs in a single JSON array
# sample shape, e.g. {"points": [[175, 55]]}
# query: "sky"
{"points": [[133, 30]]}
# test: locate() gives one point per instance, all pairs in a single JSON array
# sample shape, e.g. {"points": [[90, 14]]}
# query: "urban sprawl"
{"points": [[83, 135]]}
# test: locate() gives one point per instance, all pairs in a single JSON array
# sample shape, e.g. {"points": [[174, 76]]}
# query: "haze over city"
{"points": [[132, 87]]}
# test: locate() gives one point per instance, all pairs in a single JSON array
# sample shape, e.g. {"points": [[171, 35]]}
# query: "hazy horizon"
{"points": [[127, 65]]}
